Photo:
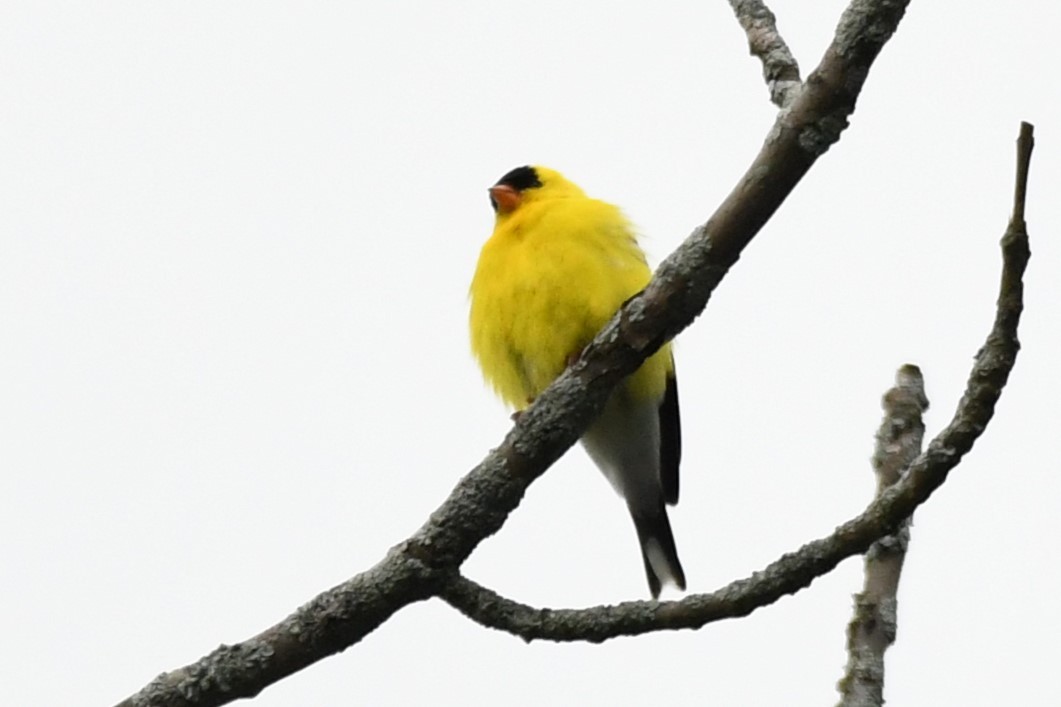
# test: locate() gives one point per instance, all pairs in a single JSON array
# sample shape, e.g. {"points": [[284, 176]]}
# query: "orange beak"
{"points": [[505, 198]]}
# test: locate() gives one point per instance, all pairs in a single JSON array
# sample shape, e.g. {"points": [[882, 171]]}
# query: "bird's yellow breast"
{"points": [[553, 272]]}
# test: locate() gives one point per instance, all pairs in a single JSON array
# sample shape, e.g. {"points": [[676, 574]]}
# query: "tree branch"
{"points": [[764, 41], [482, 500], [872, 628], [797, 570]]}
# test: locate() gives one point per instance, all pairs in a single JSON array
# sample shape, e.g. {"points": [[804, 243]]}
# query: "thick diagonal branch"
{"points": [[479, 505]]}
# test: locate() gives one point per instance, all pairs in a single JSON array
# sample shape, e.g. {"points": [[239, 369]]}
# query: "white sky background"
{"points": [[235, 246]]}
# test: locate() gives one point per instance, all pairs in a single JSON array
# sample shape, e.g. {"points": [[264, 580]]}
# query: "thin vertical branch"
{"points": [[872, 628]]}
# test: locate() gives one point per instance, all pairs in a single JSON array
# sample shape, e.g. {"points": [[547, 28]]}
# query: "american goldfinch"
{"points": [[556, 268]]}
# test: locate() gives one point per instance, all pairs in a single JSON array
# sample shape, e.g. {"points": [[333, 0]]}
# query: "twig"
{"points": [[1025, 144], [764, 41], [872, 628]]}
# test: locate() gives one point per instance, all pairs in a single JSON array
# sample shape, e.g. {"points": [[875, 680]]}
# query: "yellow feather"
{"points": [[552, 274]]}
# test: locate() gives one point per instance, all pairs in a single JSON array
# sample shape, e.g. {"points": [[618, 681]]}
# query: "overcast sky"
{"points": [[235, 245]]}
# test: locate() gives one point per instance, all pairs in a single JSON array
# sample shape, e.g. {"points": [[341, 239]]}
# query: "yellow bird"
{"points": [[556, 268]]}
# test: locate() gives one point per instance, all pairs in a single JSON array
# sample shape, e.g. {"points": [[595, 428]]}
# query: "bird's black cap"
{"points": [[521, 178]]}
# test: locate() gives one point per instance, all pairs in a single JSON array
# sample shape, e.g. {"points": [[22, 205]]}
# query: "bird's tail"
{"points": [[658, 550]]}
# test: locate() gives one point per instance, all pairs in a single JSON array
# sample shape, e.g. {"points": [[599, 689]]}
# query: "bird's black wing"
{"points": [[670, 441]]}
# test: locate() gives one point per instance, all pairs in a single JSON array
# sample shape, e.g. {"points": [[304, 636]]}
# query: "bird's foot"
{"points": [[519, 413], [572, 358]]}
